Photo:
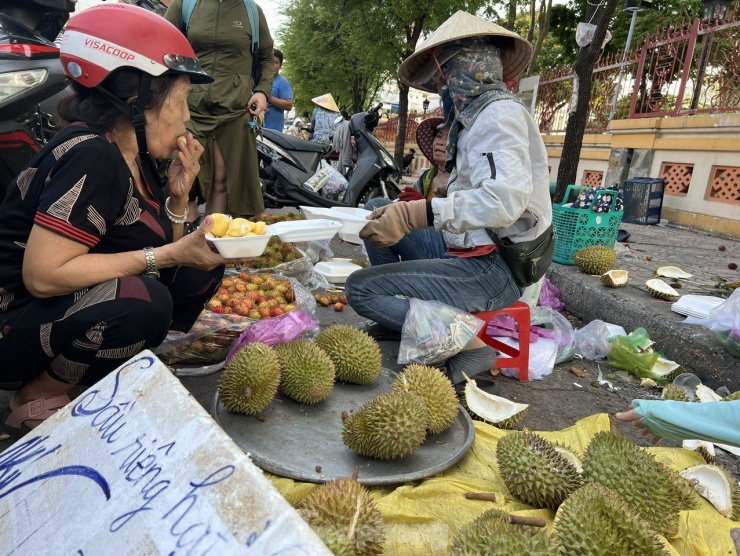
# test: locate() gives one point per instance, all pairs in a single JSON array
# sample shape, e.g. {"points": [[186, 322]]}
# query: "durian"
{"points": [[732, 397], [491, 535], [665, 368], [534, 471], [615, 278], [717, 485], [706, 394], [356, 356], [655, 492], [307, 372], [595, 259], [438, 393], [344, 515], [493, 409], [250, 380], [594, 521], [389, 427], [730, 285], [658, 288], [568, 453], [672, 272], [675, 393], [704, 448]]}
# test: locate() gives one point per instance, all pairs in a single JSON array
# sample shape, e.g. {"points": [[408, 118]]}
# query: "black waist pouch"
{"points": [[529, 260]]}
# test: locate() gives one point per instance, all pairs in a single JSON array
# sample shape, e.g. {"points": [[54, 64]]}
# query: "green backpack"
{"points": [[254, 21]]}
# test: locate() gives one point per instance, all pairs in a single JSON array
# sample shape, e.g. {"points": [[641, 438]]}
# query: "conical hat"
{"points": [[326, 101], [463, 25]]}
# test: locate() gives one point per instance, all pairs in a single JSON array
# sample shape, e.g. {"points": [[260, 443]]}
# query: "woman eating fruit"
{"points": [[95, 265]]}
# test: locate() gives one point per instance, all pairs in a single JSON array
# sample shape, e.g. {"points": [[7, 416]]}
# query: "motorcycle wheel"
{"points": [[373, 191]]}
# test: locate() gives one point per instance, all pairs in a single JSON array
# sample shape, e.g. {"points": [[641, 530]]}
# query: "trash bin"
{"points": [[643, 200]]}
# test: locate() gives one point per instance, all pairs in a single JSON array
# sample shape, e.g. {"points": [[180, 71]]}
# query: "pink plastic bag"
{"points": [[550, 296], [278, 330]]}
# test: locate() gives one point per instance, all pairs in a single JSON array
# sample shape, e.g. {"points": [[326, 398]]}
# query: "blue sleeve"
{"points": [[712, 421]]}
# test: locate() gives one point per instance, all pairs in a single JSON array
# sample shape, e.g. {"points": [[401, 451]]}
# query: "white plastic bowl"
{"points": [[336, 272], [240, 247]]}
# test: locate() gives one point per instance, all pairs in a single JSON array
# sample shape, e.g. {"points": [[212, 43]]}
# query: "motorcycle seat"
{"points": [[293, 143]]}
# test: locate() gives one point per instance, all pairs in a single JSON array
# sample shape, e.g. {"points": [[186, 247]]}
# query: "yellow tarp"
{"points": [[422, 517]]}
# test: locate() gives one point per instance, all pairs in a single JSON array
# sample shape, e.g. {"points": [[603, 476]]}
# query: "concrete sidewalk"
{"points": [[694, 347]]}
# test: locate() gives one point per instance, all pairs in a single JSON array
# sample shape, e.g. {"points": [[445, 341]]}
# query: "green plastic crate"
{"points": [[579, 228]]}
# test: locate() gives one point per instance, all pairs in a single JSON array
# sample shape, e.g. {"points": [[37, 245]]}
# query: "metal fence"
{"points": [[689, 68]]}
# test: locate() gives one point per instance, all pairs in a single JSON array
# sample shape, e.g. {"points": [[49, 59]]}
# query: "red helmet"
{"points": [[105, 38]]}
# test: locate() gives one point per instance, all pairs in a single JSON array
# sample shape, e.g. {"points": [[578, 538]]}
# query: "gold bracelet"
{"points": [[174, 218]]}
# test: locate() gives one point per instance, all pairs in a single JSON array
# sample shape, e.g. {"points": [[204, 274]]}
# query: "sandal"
{"points": [[15, 421]]}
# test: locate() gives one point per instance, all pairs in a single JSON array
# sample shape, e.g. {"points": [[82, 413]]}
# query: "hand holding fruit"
{"points": [[225, 226], [184, 169], [193, 249]]}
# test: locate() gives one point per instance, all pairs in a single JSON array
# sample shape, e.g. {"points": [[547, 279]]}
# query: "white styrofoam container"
{"points": [[240, 247], [305, 230], [352, 219], [336, 272], [351, 238]]}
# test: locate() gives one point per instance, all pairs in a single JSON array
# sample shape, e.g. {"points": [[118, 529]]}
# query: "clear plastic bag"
{"points": [[585, 34], [542, 358], [592, 341], [320, 177], [336, 185], [724, 320], [624, 355], [434, 331], [300, 269], [564, 334]]}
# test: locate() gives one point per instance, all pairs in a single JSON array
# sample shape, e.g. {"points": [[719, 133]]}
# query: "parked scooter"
{"points": [[30, 78], [287, 162]]}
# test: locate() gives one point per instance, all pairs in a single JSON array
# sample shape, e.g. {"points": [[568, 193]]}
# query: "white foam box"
{"points": [[336, 271]]}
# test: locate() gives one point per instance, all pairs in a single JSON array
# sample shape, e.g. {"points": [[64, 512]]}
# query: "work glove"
{"points": [[390, 223], [410, 194]]}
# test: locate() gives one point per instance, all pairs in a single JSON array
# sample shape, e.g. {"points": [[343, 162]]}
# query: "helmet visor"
{"points": [[188, 66]]}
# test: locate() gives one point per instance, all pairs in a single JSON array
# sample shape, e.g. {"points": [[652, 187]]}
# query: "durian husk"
{"points": [[595, 259], [437, 392], [594, 521], [534, 471], [356, 356], [388, 427], [730, 285], [490, 534], [251, 379], [732, 397], [492, 409], [665, 368], [307, 371], [704, 448], [706, 394], [674, 393], [655, 492], [615, 278], [658, 288], [718, 486], [344, 514], [672, 272]]}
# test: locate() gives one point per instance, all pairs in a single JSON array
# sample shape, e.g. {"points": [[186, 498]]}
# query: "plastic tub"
{"points": [[240, 247]]}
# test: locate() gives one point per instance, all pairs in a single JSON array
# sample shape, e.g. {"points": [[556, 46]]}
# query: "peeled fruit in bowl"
{"points": [[220, 224], [241, 227]]}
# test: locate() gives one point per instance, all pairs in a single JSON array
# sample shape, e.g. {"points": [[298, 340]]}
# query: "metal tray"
{"points": [[294, 439]]}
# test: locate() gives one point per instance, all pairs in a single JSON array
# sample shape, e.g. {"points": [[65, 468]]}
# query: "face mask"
{"points": [[446, 102]]}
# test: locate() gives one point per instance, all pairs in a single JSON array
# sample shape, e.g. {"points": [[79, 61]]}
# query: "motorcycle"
{"points": [[31, 79], [287, 163]]}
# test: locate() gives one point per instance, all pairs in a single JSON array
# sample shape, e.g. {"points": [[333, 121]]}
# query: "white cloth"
{"points": [[500, 180]]}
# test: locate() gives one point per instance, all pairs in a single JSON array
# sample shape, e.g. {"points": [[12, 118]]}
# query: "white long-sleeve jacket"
{"points": [[500, 180]]}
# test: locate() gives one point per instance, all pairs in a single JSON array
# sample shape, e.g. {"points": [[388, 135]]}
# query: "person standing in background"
{"points": [[221, 112], [281, 100], [342, 143]]}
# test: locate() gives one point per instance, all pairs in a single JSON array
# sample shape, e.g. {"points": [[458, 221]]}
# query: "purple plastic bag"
{"points": [[278, 330], [550, 296], [504, 325]]}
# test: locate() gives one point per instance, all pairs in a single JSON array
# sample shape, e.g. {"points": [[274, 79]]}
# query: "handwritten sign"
{"points": [[136, 466]]}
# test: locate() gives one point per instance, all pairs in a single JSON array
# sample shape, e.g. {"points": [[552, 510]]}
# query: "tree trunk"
{"points": [[544, 29], [403, 114], [532, 19], [511, 15], [587, 58]]}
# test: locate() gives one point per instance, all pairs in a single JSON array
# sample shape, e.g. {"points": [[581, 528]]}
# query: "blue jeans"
{"points": [[381, 293], [419, 244]]}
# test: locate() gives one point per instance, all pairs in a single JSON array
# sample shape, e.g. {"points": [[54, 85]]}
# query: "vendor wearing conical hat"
{"points": [[498, 187], [322, 118]]}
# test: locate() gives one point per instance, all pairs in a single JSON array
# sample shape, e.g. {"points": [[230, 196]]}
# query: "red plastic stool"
{"points": [[518, 358]]}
